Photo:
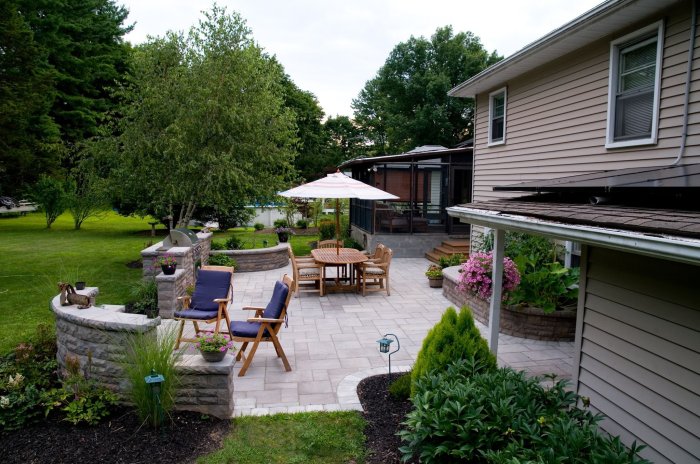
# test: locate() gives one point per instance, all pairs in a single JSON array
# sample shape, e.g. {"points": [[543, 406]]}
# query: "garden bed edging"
{"points": [[258, 259]]}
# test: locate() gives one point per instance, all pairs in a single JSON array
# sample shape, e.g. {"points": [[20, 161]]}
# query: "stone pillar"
{"points": [[170, 287], [206, 387]]}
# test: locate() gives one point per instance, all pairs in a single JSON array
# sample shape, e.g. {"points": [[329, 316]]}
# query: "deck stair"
{"points": [[448, 248]]}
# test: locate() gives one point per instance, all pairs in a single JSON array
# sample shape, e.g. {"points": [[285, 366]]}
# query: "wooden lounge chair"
{"points": [[308, 275], [208, 304], [370, 274], [264, 326]]}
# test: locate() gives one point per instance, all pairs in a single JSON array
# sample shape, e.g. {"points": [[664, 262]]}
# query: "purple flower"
{"points": [[476, 276]]}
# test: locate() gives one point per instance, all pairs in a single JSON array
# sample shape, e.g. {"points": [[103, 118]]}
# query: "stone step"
{"points": [[451, 250]]}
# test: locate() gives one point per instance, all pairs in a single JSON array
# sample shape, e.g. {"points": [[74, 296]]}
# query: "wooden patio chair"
{"points": [[213, 292], [341, 270], [308, 275], [375, 274], [264, 326], [378, 254]]}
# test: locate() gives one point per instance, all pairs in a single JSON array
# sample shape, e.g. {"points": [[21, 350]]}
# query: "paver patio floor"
{"points": [[331, 341]]}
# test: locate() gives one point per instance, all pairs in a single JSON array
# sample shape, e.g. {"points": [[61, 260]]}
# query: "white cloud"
{"points": [[332, 48]]}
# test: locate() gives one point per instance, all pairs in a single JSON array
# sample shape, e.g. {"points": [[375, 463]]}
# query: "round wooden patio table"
{"points": [[346, 256]]}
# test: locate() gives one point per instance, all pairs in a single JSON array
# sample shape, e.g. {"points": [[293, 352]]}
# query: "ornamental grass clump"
{"points": [[476, 276]]}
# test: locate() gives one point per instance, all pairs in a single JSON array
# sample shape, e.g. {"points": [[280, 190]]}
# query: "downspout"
{"points": [[688, 75]]}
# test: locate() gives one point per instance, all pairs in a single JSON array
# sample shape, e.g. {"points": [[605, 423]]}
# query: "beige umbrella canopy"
{"points": [[338, 185]]}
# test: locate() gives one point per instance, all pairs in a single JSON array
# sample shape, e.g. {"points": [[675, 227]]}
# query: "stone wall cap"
{"points": [[103, 318], [204, 235], [255, 251], [160, 277], [195, 364], [452, 273]]}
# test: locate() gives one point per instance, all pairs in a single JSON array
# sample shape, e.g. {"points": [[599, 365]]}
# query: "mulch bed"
{"points": [[384, 415], [119, 439], [123, 439]]}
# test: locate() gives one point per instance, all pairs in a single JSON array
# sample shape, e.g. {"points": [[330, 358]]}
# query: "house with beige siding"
{"points": [[591, 135]]}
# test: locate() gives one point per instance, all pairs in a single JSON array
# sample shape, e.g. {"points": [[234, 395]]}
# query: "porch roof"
{"points": [[419, 153], [657, 232]]}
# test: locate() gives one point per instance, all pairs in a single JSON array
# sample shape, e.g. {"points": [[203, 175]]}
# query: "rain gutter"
{"points": [[685, 250]]}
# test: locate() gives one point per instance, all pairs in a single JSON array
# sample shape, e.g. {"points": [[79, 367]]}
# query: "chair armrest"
{"points": [[252, 308], [264, 319], [309, 265], [186, 299]]}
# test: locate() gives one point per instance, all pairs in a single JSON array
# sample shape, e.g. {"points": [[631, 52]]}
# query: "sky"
{"points": [[332, 48]]}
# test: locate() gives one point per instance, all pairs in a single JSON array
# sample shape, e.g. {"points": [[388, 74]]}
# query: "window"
{"points": [[633, 96], [497, 117]]}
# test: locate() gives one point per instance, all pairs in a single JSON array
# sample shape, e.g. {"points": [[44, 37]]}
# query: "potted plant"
{"points": [[168, 264], [434, 274], [213, 347], [283, 233]]}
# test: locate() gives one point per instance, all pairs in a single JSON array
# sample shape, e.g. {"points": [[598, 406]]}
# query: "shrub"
{"points": [[280, 223], [81, 398], [25, 375], [234, 243], [400, 388], [454, 337], [145, 296], [143, 353], [326, 230], [547, 287], [452, 260], [221, 260], [217, 245], [477, 274], [51, 196], [258, 226], [468, 414], [302, 224]]}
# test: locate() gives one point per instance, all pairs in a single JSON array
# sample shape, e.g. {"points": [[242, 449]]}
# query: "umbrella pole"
{"points": [[337, 226]]}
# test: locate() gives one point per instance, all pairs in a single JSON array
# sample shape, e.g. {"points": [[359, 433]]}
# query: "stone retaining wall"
{"points": [[97, 337], [170, 288], [259, 259], [523, 322]]}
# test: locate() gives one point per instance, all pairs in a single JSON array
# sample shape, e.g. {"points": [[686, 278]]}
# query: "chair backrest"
{"points": [[331, 243], [277, 307], [291, 258], [386, 257], [379, 251], [211, 284]]}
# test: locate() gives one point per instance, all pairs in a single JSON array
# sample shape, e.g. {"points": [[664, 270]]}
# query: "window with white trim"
{"points": [[633, 96], [497, 117]]}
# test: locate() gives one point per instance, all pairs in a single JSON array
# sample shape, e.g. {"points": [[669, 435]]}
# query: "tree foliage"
{"points": [[51, 196], [205, 123], [58, 61], [406, 104]]}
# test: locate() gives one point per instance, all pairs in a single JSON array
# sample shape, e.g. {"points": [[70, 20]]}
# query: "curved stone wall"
{"points": [[97, 337], [525, 322], [259, 259]]}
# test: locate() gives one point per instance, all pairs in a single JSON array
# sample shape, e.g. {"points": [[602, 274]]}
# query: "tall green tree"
{"points": [[345, 140], [406, 104], [205, 124], [29, 138]]}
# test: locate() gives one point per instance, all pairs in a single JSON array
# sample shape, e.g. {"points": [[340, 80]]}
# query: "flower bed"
{"points": [[525, 322]]}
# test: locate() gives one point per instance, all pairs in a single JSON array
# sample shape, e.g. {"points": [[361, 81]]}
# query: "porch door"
{"points": [[460, 192]]}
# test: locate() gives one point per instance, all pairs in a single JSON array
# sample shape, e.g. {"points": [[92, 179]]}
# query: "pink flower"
{"points": [[476, 276]]}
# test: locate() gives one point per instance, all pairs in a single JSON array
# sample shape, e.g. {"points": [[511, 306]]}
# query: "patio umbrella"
{"points": [[338, 185]]}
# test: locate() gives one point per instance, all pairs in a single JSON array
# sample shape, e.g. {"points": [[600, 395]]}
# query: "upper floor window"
{"points": [[633, 96], [497, 117]]}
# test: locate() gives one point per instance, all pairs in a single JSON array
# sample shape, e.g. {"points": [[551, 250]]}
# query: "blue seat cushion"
{"points": [[274, 308], [246, 329], [210, 285], [195, 314]]}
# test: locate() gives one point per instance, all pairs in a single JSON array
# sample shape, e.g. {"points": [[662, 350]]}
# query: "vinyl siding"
{"points": [[639, 358], [557, 114]]}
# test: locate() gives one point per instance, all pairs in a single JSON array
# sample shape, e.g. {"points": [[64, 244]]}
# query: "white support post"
{"points": [[499, 238]]}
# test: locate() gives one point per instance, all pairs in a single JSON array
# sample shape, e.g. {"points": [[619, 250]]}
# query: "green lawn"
{"points": [[34, 259], [313, 438]]}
